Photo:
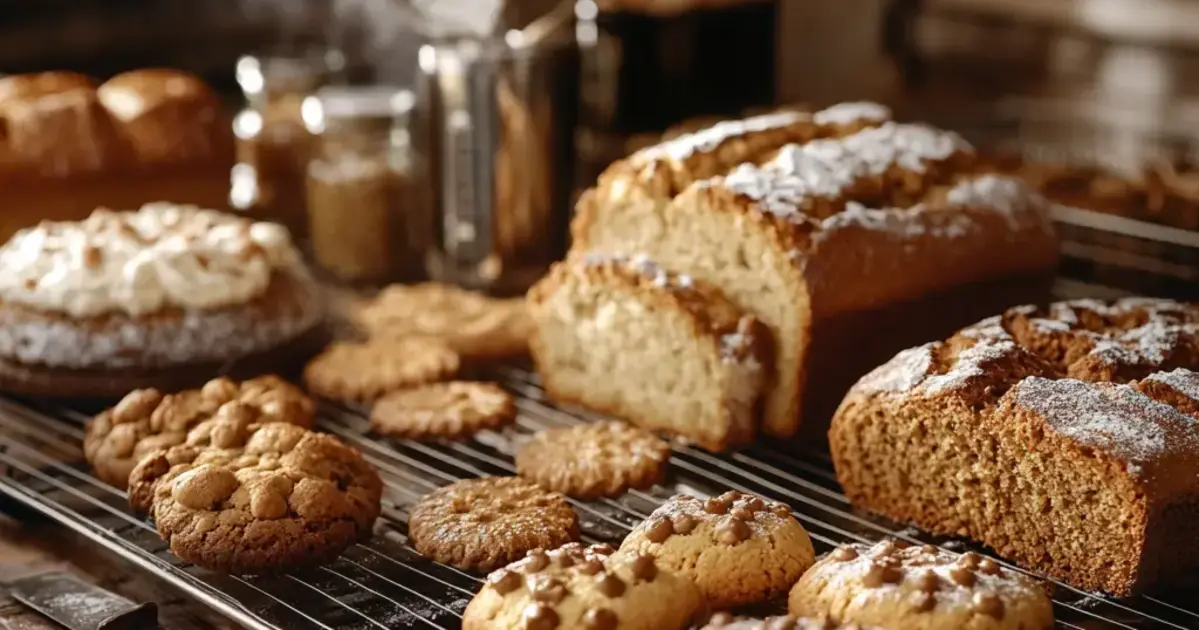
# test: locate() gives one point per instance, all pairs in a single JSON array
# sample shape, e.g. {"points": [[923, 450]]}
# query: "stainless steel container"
{"points": [[494, 123]]}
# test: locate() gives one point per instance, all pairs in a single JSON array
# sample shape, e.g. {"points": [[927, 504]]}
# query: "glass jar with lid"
{"points": [[367, 223], [273, 143]]}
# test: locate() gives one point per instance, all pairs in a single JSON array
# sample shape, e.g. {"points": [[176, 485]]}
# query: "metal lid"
{"points": [[356, 106]]}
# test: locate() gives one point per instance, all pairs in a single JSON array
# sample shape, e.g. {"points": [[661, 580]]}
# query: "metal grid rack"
{"points": [[383, 583]]}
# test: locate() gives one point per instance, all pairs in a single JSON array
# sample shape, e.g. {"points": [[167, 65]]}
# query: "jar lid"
{"points": [[356, 106], [266, 75]]}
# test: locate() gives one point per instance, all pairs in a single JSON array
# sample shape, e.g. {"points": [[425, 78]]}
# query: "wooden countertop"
{"points": [[33, 545]]}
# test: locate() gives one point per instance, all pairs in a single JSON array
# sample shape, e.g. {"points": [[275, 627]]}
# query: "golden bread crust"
{"points": [[1084, 415]]}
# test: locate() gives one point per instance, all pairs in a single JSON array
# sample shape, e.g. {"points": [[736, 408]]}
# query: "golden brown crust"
{"points": [[1047, 402], [739, 549], [483, 524], [600, 459], [282, 498], [146, 420], [363, 372], [62, 125], [453, 410]]}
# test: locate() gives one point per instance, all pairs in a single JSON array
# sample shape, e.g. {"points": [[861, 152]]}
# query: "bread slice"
{"points": [[1066, 439], [624, 336], [803, 220]]}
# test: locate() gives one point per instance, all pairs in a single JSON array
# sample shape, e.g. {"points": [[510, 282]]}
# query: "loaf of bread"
{"points": [[845, 233], [1066, 439], [69, 145], [624, 336]]}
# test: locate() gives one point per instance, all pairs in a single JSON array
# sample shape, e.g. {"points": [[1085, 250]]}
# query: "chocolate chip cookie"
{"points": [[482, 524], [147, 420], [452, 410], [362, 372], [287, 498], [578, 587], [739, 549], [602, 459], [900, 586], [474, 325]]}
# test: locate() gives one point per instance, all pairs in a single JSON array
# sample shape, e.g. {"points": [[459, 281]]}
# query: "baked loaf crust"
{"points": [[622, 335], [71, 144], [1066, 439], [161, 287], [919, 588], [146, 420], [257, 500], [802, 219]]}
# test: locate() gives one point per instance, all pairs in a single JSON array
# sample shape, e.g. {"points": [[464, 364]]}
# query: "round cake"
{"points": [[158, 297]]}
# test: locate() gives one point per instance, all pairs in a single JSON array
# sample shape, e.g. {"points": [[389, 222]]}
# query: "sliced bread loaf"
{"points": [[807, 221], [668, 353]]}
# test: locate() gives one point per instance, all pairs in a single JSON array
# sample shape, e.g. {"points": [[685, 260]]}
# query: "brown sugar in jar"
{"points": [[364, 216]]}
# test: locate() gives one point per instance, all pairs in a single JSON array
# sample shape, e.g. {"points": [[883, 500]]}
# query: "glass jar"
{"points": [[367, 224], [273, 142]]}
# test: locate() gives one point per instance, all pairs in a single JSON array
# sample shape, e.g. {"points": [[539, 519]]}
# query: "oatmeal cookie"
{"points": [[739, 549], [452, 410], [474, 325], [287, 498], [602, 459], [483, 524], [582, 587], [362, 372], [147, 420], [919, 588]]}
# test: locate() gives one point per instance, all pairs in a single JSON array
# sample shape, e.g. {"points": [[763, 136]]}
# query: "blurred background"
{"points": [[490, 116]]}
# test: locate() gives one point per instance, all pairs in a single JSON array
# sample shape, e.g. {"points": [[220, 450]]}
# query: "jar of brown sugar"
{"points": [[366, 222], [273, 142]]}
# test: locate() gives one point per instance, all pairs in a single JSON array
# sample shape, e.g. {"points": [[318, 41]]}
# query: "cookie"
{"points": [[578, 587], [483, 524], [739, 549], [443, 410], [362, 372], [147, 420], [725, 621], [473, 324], [602, 459], [287, 498], [903, 587]]}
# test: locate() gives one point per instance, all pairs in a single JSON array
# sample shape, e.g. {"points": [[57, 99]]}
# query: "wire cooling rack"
{"points": [[383, 583]]}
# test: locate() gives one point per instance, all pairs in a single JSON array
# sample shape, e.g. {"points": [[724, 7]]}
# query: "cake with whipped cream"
{"points": [[622, 335], [146, 298], [848, 234]]}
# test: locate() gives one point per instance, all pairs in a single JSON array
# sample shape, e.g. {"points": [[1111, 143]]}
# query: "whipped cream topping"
{"points": [[161, 256]]}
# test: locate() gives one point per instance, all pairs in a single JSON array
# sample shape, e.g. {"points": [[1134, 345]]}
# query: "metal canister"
{"points": [[494, 121]]}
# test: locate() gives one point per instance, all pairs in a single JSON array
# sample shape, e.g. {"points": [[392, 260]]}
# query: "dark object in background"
{"points": [[643, 73]]}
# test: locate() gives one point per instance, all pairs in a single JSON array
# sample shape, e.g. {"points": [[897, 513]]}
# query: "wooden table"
{"points": [[31, 545]]}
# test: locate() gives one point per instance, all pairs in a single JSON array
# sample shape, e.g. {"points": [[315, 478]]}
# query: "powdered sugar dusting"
{"points": [[1116, 419], [970, 364], [644, 266], [903, 372], [1006, 196], [686, 145], [850, 113], [1182, 381], [825, 168]]}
